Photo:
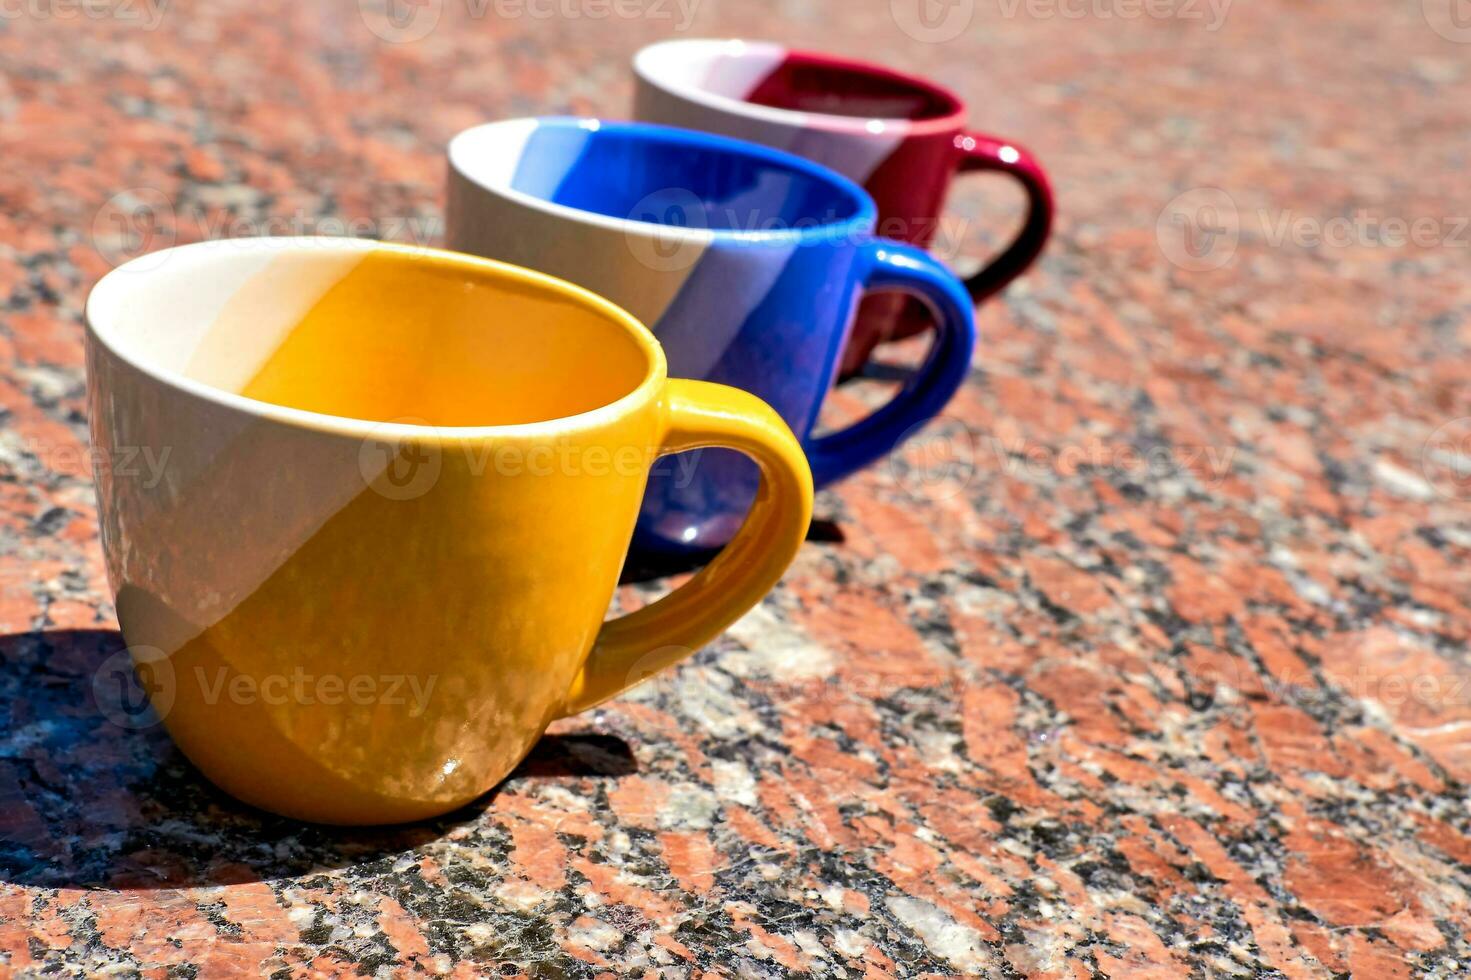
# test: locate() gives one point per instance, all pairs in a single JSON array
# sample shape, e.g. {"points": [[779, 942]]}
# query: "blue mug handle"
{"points": [[893, 265]]}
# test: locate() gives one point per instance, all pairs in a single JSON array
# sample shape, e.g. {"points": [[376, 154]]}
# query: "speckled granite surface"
{"points": [[1149, 661]]}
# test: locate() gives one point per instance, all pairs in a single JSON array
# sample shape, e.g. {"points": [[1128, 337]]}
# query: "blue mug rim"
{"points": [[860, 224]]}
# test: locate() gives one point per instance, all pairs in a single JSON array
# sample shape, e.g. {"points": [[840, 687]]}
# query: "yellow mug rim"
{"points": [[112, 289]]}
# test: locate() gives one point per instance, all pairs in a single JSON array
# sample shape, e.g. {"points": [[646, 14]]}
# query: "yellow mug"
{"points": [[388, 497]]}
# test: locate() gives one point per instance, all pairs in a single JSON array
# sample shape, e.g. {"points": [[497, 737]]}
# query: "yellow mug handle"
{"points": [[703, 415]]}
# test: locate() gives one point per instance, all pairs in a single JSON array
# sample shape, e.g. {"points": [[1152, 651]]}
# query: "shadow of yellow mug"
{"points": [[364, 508]]}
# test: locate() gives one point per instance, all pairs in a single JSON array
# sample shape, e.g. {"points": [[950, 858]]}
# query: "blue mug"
{"points": [[748, 264]]}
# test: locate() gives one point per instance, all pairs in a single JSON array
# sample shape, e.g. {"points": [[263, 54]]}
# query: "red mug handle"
{"points": [[987, 153]]}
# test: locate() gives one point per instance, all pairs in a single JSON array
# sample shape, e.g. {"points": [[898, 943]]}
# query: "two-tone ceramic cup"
{"points": [[397, 488], [902, 137], [748, 263]]}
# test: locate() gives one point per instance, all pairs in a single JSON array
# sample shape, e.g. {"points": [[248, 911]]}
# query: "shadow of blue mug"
{"points": [[747, 262]]}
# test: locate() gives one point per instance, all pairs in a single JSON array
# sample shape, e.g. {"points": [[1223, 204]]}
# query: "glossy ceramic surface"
{"points": [[903, 138], [748, 263], [399, 488]]}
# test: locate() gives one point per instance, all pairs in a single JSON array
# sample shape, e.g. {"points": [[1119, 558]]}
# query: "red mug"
{"points": [[903, 138]]}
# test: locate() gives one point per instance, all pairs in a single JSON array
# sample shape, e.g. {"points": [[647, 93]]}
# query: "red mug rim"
{"points": [[954, 119]]}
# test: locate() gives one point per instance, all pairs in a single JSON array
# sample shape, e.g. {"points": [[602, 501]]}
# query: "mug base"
{"points": [[650, 559]]}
